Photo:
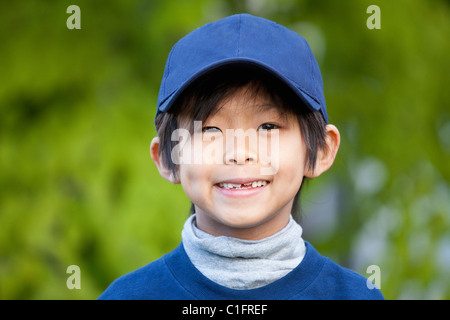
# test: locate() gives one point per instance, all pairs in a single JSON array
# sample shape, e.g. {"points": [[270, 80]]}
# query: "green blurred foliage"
{"points": [[77, 185]]}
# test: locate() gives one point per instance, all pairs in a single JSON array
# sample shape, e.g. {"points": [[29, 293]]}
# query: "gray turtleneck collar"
{"points": [[244, 264]]}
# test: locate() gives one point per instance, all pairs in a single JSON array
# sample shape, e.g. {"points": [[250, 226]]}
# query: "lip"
{"points": [[241, 193], [243, 180]]}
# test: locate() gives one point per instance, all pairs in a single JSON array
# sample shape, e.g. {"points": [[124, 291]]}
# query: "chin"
{"points": [[244, 219]]}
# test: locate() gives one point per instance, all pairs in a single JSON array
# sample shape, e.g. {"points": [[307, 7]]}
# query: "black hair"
{"points": [[201, 99]]}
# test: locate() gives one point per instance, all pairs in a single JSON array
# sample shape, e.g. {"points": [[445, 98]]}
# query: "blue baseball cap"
{"points": [[248, 40]]}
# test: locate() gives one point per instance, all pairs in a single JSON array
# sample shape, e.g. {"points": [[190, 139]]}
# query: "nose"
{"points": [[239, 159], [240, 150]]}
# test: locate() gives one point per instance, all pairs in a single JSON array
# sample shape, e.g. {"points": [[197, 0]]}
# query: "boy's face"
{"points": [[259, 204]]}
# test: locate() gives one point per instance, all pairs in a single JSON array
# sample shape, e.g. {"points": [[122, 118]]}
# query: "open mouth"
{"points": [[243, 186]]}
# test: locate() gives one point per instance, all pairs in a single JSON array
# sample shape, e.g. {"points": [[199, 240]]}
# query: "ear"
{"points": [[326, 156], [165, 172]]}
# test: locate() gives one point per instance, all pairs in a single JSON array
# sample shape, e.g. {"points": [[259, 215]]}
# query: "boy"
{"points": [[241, 123]]}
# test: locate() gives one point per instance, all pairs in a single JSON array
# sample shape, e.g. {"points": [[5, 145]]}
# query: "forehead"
{"points": [[248, 100], [232, 96]]}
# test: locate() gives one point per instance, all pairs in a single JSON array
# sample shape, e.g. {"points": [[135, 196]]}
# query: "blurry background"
{"points": [[78, 187]]}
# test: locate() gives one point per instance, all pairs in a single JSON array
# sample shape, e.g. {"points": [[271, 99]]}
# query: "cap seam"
{"points": [[169, 59], [311, 66], [239, 39], [303, 89]]}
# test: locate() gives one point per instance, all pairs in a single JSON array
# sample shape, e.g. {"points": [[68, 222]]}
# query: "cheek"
{"points": [[189, 177], [292, 156], [194, 181]]}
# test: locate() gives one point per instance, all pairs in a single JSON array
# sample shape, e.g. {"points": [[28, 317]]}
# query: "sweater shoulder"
{"points": [[339, 283], [138, 284], [153, 281]]}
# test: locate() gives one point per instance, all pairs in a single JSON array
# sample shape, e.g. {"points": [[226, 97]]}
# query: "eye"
{"points": [[268, 126], [211, 129]]}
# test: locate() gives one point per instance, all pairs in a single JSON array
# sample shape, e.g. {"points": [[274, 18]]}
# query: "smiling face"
{"points": [[233, 197], [239, 186]]}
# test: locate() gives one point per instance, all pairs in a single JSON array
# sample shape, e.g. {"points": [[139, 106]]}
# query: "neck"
{"points": [[260, 230], [240, 263]]}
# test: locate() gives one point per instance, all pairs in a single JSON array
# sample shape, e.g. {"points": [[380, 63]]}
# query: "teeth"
{"points": [[248, 185]]}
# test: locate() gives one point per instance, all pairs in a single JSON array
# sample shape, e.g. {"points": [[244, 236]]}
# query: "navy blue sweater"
{"points": [[174, 277]]}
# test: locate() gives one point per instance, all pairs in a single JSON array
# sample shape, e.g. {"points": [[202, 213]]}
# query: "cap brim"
{"points": [[309, 101]]}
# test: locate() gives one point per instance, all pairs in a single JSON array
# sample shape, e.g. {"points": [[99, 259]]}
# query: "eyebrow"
{"points": [[276, 110], [267, 106], [273, 112]]}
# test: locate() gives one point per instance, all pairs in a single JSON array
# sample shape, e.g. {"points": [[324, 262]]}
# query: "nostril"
{"points": [[239, 161]]}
